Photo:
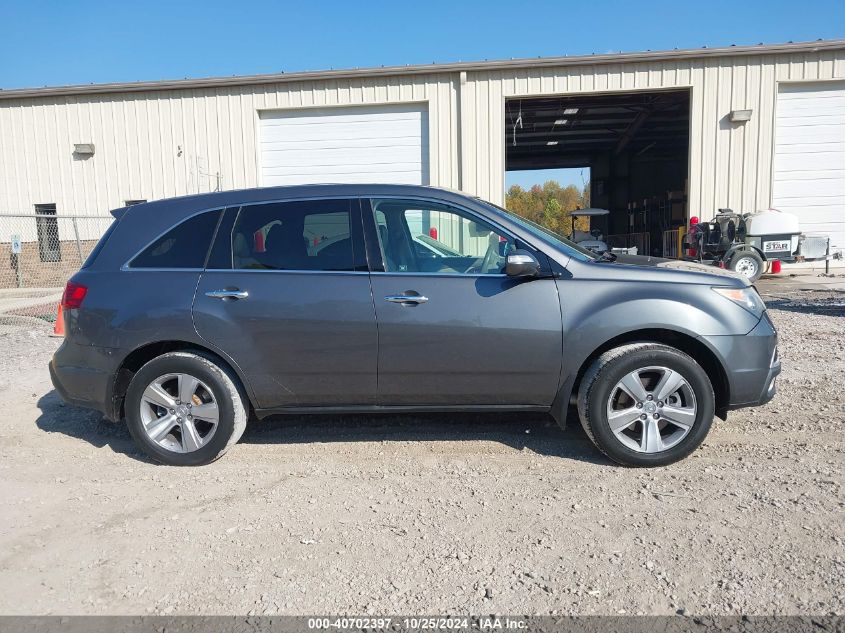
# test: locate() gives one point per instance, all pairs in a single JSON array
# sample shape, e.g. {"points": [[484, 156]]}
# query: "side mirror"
{"points": [[521, 263]]}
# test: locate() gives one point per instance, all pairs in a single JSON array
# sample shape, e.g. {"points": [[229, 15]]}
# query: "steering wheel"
{"points": [[596, 233], [486, 263]]}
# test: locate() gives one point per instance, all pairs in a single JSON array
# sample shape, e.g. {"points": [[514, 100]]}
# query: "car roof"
{"points": [[186, 205]]}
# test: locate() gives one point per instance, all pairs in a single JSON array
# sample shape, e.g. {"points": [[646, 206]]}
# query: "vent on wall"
{"points": [[83, 150]]}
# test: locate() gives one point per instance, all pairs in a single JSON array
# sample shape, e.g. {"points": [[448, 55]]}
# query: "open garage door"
{"points": [[636, 146], [809, 163], [357, 144]]}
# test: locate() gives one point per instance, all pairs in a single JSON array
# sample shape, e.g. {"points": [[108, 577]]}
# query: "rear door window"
{"points": [[298, 235], [184, 246]]}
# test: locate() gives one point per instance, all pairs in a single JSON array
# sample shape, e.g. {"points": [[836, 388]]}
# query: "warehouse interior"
{"points": [[636, 146]]}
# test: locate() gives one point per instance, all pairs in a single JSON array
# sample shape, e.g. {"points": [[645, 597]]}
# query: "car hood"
{"points": [[675, 270]]}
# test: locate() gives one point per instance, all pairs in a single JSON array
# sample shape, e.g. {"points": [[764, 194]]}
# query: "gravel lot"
{"points": [[431, 514]]}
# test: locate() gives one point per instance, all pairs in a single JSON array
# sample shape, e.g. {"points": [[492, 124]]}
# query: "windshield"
{"points": [[541, 231]]}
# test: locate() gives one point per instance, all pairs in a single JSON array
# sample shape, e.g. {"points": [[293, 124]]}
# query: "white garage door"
{"points": [[359, 144], [809, 167]]}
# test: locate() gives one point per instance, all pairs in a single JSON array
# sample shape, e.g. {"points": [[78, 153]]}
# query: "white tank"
{"points": [[771, 222]]}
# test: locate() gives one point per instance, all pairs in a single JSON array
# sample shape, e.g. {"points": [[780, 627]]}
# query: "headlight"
{"points": [[744, 297]]}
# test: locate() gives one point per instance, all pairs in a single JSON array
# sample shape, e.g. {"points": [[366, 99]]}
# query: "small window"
{"points": [[99, 246], [183, 246], [429, 237], [302, 235], [47, 228], [132, 203]]}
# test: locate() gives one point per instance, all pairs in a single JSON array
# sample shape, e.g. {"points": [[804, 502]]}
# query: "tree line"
{"points": [[550, 205]]}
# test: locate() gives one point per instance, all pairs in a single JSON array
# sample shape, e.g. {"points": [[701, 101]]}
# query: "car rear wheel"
{"points": [[646, 404], [185, 409]]}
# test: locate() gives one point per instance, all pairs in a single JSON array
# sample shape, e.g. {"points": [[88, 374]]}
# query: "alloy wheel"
{"points": [[179, 412], [651, 409]]}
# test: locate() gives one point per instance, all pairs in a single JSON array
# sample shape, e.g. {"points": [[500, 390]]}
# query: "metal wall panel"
{"points": [[158, 144], [730, 163], [178, 141]]}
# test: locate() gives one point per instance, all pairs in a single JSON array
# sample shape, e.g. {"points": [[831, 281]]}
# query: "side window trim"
{"points": [[127, 266], [221, 243], [375, 259]]}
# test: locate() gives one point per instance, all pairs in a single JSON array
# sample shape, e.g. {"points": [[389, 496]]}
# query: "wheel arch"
{"points": [[690, 345], [140, 356], [744, 247]]}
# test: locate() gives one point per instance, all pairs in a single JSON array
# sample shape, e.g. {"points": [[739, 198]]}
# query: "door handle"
{"points": [[406, 299], [227, 294]]}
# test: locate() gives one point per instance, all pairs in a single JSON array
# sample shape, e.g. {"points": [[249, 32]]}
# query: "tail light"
{"points": [[73, 295], [775, 266]]}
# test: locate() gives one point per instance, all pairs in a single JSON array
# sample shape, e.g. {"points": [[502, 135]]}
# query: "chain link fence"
{"points": [[40, 252]]}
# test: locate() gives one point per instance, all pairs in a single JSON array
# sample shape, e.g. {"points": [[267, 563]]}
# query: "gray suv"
{"points": [[194, 314]]}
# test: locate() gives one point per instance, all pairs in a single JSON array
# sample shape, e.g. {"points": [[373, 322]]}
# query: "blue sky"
{"points": [[76, 41], [526, 179], [53, 42]]}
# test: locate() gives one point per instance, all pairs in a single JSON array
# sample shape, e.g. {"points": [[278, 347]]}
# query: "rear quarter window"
{"points": [[184, 246], [99, 246]]}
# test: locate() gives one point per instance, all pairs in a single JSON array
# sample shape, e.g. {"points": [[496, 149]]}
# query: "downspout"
{"points": [[461, 141]]}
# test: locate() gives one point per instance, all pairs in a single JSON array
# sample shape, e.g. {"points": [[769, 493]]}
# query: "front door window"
{"points": [[428, 237]]}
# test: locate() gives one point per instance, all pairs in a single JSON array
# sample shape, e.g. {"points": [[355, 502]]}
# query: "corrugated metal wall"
{"points": [[159, 144], [165, 143], [730, 164]]}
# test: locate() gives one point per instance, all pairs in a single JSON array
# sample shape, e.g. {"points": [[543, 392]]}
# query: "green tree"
{"points": [[550, 205], [552, 214]]}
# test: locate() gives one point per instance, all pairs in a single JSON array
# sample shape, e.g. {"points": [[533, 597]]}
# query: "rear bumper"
{"points": [[751, 364], [83, 376]]}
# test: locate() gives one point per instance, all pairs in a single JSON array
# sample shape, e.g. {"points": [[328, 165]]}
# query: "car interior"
{"points": [[414, 250], [296, 238], [291, 239]]}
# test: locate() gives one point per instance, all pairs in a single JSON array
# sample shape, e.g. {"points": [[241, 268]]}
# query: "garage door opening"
{"points": [[633, 148]]}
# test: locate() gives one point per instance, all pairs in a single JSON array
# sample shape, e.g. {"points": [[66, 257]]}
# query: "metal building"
{"points": [[673, 133]]}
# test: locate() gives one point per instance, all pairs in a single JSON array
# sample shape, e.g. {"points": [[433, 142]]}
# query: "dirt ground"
{"points": [[431, 514]]}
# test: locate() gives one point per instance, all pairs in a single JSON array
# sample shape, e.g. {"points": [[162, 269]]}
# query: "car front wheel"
{"points": [[185, 409], [646, 404]]}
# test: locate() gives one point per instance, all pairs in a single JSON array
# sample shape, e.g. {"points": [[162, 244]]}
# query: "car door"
{"points": [[286, 295], [455, 330]]}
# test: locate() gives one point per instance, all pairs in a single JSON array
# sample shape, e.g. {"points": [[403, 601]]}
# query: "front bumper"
{"points": [[751, 364]]}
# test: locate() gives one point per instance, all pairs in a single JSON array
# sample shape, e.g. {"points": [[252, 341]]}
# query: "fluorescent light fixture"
{"points": [[551, 143], [561, 121], [571, 111], [740, 116]]}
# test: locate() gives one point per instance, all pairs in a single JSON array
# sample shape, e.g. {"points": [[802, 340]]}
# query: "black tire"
{"points": [[222, 382], [606, 372], [752, 255]]}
